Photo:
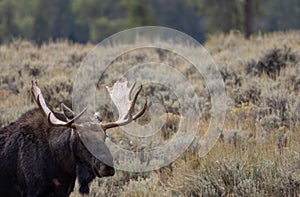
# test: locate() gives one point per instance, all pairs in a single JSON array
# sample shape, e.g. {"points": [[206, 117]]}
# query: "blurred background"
{"points": [[93, 20]]}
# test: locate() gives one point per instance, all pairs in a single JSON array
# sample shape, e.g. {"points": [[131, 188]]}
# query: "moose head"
{"points": [[102, 165]]}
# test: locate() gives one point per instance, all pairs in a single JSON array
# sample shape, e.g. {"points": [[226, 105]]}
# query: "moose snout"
{"points": [[105, 170], [105, 164], [110, 171]]}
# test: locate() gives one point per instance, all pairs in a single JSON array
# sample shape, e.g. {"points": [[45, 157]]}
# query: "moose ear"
{"points": [[69, 114]]}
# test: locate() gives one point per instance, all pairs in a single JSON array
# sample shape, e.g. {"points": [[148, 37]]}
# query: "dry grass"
{"points": [[259, 152]]}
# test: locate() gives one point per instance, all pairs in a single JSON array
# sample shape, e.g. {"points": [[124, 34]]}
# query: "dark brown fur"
{"points": [[42, 160]]}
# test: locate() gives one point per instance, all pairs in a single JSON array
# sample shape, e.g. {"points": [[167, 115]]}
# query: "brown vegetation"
{"points": [[259, 154]]}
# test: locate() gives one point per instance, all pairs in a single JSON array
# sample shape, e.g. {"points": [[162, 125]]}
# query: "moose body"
{"points": [[39, 159], [42, 153]]}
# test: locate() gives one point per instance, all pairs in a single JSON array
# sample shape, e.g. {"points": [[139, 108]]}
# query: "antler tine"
{"points": [[141, 112], [131, 88], [118, 92], [56, 122], [52, 119], [134, 99], [36, 92]]}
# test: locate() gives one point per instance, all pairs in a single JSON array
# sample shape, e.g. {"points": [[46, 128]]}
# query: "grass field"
{"points": [[258, 152]]}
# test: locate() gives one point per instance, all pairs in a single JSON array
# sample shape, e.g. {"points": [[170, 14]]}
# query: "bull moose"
{"points": [[42, 153]]}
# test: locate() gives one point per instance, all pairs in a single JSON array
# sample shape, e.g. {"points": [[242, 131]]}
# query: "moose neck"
{"points": [[62, 149]]}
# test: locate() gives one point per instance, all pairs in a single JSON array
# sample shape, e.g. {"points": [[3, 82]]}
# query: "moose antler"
{"points": [[39, 99], [120, 95]]}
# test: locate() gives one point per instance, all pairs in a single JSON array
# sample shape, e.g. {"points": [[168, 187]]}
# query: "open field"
{"points": [[258, 153]]}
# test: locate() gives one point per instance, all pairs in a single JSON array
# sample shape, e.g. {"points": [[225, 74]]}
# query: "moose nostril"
{"points": [[112, 172], [107, 170]]}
